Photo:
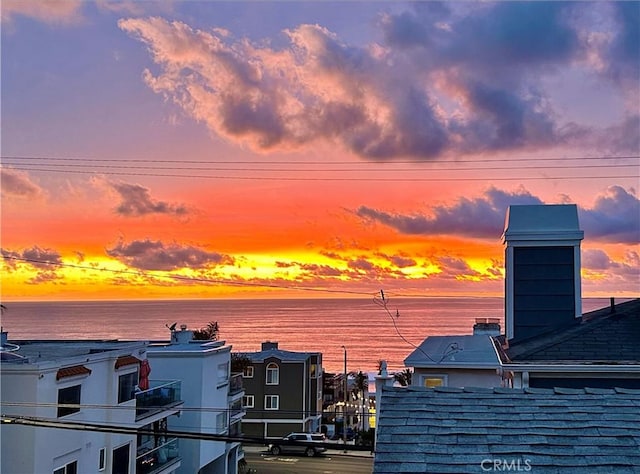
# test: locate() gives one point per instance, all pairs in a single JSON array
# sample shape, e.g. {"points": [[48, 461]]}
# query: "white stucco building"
{"points": [[56, 395], [212, 399], [458, 361]]}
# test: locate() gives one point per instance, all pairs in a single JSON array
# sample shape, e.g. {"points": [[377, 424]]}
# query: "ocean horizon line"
{"points": [[391, 296]]}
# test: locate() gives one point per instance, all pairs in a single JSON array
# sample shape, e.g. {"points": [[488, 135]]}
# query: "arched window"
{"points": [[273, 374]]}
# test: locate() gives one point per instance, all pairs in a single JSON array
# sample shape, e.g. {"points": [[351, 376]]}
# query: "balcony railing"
{"points": [[161, 395], [235, 430], [158, 458], [235, 384]]}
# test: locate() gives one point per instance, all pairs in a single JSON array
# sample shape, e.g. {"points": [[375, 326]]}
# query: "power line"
{"points": [[201, 409], [382, 302], [114, 429], [81, 426], [336, 179], [324, 169], [324, 163]]}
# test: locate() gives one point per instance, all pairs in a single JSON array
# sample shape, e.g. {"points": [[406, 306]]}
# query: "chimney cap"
{"points": [[542, 222]]}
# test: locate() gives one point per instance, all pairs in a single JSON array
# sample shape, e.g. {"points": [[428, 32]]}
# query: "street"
{"points": [[263, 463]]}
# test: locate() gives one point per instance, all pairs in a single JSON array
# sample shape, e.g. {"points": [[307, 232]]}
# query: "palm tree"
{"points": [[404, 377], [360, 384], [209, 333]]}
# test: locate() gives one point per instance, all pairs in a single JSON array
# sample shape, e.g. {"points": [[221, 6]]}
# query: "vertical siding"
{"points": [[543, 289]]}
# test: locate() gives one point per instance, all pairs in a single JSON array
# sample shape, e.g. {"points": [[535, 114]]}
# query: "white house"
{"points": [[212, 398], [457, 361], [57, 394]]}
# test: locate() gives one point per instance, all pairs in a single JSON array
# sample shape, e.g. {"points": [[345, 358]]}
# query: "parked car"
{"points": [[311, 444]]}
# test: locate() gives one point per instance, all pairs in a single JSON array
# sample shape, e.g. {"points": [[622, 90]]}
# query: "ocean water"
{"points": [[366, 329]]}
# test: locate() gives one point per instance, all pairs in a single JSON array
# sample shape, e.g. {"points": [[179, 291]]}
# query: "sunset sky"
{"points": [[310, 149]]}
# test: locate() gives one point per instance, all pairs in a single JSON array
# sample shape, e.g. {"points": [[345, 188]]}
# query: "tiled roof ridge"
{"points": [[516, 391]]}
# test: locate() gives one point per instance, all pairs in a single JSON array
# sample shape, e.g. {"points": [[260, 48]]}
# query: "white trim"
{"points": [[508, 292], [577, 278], [443, 377], [277, 398], [253, 401], [102, 453], [249, 368], [271, 369]]}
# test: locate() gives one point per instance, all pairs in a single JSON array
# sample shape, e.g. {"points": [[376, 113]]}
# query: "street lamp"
{"points": [[344, 413]]}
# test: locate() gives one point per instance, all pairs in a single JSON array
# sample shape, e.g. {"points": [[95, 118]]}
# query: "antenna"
{"points": [[172, 327]]}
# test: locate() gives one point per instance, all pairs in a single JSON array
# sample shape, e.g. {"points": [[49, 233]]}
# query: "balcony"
{"points": [[158, 459], [161, 396], [235, 430], [235, 384]]}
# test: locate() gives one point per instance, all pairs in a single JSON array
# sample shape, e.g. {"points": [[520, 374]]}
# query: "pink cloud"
{"points": [[61, 12], [19, 184]]}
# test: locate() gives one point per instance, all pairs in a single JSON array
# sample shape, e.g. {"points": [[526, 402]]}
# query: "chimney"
{"points": [[183, 336], [5, 338], [486, 327], [269, 345], [542, 258]]}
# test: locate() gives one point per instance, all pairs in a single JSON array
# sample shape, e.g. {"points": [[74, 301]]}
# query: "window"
{"points": [[431, 381], [272, 402], [221, 422], [223, 372], [248, 401], [273, 374], [127, 386], [102, 461], [120, 460], [68, 396], [70, 468], [247, 373]]}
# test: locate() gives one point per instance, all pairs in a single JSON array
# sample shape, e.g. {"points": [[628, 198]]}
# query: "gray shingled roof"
{"points": [[454, 351], [601, 336], [455, 430], [284, 356]]}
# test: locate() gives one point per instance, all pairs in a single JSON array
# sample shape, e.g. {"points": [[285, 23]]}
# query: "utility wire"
{"points": [[323, 163], [382, 302], [323, 169], [335, 179], [80, 426], [86, 406]]}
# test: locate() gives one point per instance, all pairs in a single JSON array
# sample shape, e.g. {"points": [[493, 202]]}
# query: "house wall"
{"points": [[487, 378], [300, 397], [36, 450], [198, 371]]}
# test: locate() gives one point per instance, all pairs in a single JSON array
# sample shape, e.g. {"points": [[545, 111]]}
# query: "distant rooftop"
{"points": [[188, 346], [454, 351], [285, 356], [56, 350]]}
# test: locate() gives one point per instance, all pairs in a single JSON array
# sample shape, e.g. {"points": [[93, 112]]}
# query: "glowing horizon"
{"points": [[287, 148]]}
